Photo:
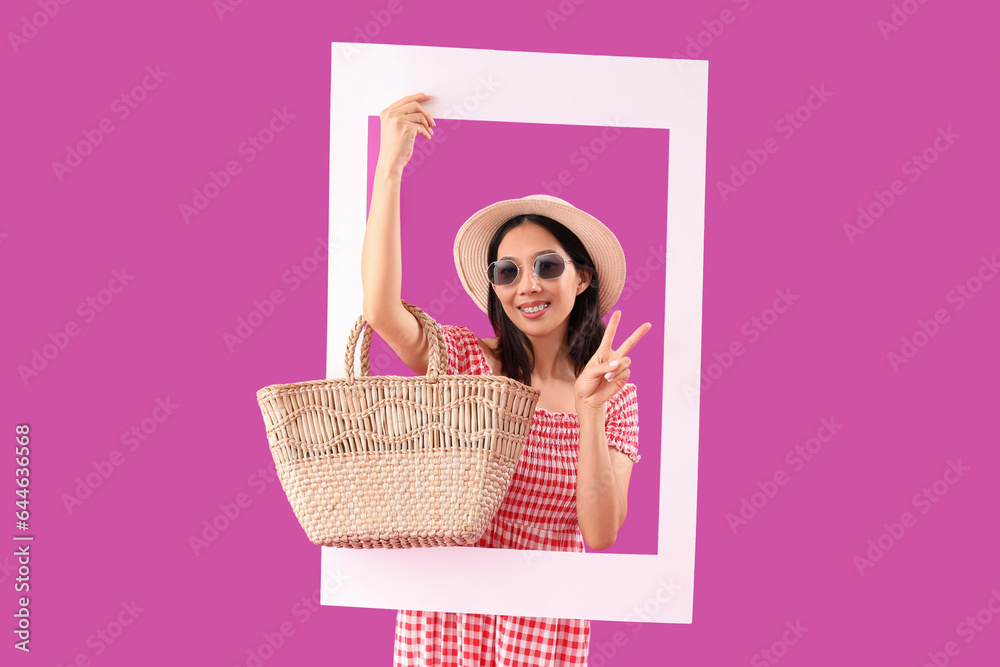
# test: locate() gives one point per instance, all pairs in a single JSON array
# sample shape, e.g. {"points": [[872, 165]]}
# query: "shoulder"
{"points": [[624, 406], [626, 396], [460, 337], [489, 346], [622, 422], [467, 353]]}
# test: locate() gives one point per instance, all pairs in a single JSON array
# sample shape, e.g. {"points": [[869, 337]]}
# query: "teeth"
{"points": [[535, 309]]}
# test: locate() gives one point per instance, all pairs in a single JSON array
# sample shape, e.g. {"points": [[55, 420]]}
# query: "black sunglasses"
{"points": [[546, 267]]}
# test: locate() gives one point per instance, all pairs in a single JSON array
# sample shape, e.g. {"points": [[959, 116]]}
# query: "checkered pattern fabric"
{"points": [[539, 512]]}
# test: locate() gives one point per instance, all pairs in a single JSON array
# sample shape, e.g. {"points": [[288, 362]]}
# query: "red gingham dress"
{"points": [[538, 512]]}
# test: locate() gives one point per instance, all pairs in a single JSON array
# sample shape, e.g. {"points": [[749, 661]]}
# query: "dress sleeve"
{"points": [[621, 422], [465, 357]]}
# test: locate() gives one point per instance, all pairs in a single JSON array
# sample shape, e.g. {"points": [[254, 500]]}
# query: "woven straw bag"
{"points": [[395, 462]]}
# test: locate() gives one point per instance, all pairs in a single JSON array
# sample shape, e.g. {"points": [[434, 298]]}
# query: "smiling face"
{"points": [[556, 296]]}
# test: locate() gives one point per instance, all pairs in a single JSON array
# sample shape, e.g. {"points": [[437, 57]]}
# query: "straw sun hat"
{"points": [[473, 240]]}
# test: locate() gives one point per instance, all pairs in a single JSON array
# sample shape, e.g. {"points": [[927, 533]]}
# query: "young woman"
{"points": [[546, 273]]}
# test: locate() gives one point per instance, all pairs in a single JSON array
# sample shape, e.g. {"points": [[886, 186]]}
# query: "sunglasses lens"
{"points": [[503, 272], [549, 266]]}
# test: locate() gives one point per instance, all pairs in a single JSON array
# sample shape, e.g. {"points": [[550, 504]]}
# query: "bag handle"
{"points": [[437, 361]]}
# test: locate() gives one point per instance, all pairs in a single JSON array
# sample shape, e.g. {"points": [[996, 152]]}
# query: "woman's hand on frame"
{"points": [[401, 122]]}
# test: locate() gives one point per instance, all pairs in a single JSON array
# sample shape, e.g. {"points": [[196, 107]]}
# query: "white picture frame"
{"points": [[639, 92]]}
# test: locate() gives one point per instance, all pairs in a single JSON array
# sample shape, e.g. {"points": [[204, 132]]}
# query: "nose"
{"points": [[528, 281]]}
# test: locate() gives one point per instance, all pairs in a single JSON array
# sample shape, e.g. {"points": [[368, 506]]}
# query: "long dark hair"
{"points": [[586, 329]]}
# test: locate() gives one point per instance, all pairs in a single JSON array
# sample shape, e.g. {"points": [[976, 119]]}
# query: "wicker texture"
{"points": [[396, 462]]}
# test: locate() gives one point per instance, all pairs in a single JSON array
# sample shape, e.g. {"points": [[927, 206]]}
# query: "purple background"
{"points": [[783, 228], [471, 164]]}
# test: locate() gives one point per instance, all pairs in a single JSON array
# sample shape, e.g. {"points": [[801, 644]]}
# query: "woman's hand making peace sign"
{"points": [[607, 371]]}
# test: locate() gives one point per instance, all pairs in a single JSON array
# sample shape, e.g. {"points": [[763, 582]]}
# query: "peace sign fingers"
{"points": [[633, 339], [609, 333], [624, 348]]}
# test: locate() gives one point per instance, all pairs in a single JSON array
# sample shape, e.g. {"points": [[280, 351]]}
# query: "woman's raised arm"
{"points": [[381, 255]]}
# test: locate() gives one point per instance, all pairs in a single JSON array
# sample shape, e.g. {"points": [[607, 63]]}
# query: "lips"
{"points": [[533, 307]]}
